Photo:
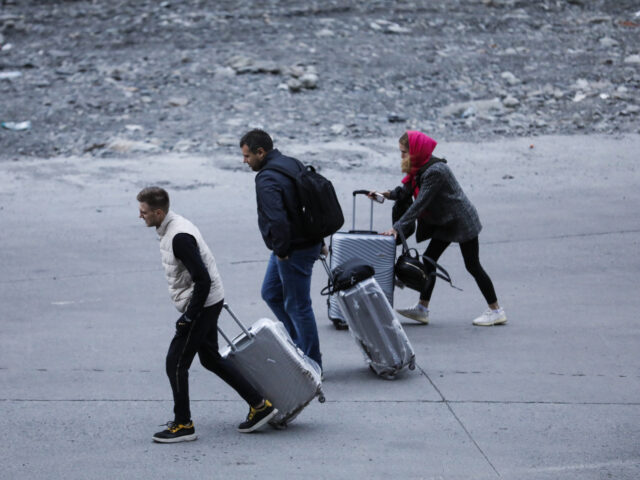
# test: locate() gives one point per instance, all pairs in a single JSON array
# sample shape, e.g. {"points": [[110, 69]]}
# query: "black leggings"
{"points": [[202, 339], [471, 255]]}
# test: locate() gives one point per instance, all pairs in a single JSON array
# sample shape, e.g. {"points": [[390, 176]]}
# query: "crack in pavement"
{"points": [[468, 433]]}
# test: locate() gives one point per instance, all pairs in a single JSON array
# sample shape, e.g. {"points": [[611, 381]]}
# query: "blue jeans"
{"points": [[287, 290]]}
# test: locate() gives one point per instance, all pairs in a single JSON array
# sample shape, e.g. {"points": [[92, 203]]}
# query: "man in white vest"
{"points": [[196, 289]]}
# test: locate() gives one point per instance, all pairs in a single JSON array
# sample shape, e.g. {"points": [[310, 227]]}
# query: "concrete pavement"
{"points": [[86, 320]]}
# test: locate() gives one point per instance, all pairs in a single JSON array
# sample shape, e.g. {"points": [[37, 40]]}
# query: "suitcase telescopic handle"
{"points": [[355, 194], [229, 342], [240, 324], [328, 290], [323, 259]]}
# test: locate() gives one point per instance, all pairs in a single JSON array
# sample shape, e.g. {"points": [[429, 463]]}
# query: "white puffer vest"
{"points": [[180, 282]]}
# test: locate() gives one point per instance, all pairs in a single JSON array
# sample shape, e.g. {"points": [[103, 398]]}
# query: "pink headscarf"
{"points": [[420, 148]]}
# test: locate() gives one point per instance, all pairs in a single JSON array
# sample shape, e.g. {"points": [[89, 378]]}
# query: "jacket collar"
{"points": [[270, 156], [162, 229], [432, 161]]}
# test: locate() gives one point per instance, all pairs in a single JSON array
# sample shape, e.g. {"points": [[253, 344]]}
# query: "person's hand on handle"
{"points": [[391, 231], [378, 196]]}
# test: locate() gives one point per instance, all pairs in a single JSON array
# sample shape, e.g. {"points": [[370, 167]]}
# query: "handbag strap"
{"points": [[439, 271], [405, 247]]}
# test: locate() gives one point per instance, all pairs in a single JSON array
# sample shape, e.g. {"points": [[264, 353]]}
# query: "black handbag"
{"points": [[411, 270], [347, 274]]}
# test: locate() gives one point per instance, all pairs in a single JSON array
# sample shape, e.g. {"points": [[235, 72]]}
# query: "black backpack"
{"points": [[321, 214]]}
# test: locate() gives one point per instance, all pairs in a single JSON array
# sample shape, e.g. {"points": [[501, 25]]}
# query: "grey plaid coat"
{"points": [[443, 206]]}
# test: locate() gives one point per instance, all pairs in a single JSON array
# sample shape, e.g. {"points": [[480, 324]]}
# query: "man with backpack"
{"points": [[286, 287]]}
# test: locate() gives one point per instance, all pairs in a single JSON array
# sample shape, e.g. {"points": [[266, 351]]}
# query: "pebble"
{"points": [[294, 85], [510, 102], [227, 141], [16, 126], [481, 107], [10, 75], [309, 80], [581, 84], [185, 145], [510, 78], [386, 26], [630, 110], [296, 71], [634, 59], [265, 66], [224, 72], [324, 33], [122, 145], [338, 128], [608, 42], [239, 62], [395, 118], [178, 101], [600, 19], [469, 112]]}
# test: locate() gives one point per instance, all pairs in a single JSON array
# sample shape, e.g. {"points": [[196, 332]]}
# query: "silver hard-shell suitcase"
{"points": [[267, 357], [377, 250], [375, 327]]}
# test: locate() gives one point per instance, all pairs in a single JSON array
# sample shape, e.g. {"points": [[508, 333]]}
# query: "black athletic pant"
{"points": [[202, 339], [471, 255]]}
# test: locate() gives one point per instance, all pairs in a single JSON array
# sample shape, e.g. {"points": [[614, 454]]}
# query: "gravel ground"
{"points": [[110, 78]]}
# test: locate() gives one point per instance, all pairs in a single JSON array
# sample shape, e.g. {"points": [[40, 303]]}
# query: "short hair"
{"points": [[404, 140], [155, 197], [256, 138]]}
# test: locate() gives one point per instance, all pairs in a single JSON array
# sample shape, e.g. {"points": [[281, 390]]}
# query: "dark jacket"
{"points": [[279, 207], [442, 209]]}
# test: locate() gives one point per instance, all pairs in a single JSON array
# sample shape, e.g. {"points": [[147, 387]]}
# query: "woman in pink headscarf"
{"points": [[431, 196]]}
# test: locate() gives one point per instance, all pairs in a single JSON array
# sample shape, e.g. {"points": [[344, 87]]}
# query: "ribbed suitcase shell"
{"points": [[267, 357], [376, 329], [377, 250]]}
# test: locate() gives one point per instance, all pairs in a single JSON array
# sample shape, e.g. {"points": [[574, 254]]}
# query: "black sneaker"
{"points": [[257, 417], [176, 432]]}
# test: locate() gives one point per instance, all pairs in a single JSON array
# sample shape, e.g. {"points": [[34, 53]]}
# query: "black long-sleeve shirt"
{"points": [[185, 249]]}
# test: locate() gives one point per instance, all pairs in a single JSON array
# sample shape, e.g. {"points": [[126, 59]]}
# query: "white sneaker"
{"points": [[417, 313], [491, 317]]}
